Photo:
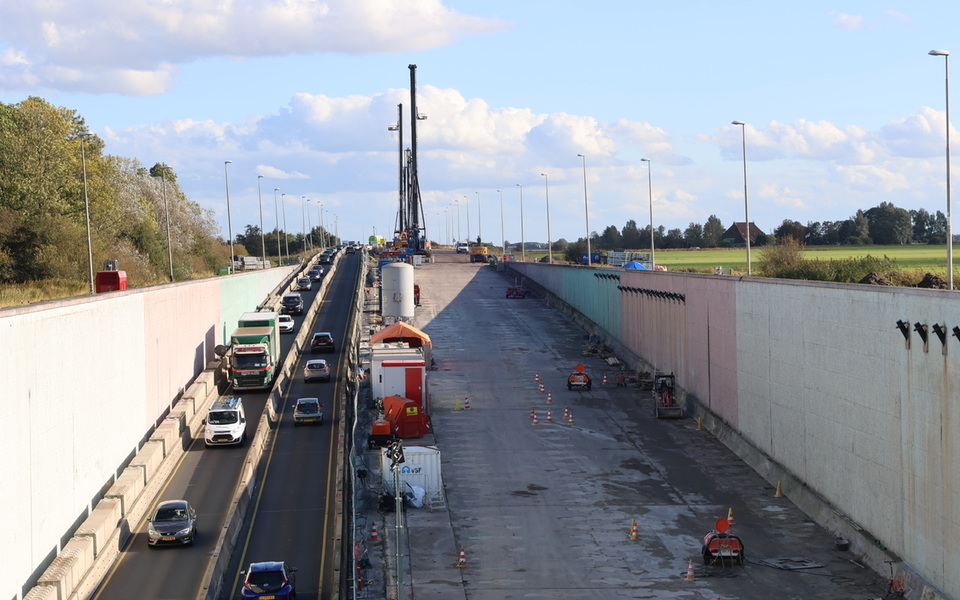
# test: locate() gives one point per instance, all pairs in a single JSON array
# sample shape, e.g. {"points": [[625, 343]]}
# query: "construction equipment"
{"points": [[410, 232], [517, 290], [665, 404], [478, 253], [579, 379], [721, 545]]}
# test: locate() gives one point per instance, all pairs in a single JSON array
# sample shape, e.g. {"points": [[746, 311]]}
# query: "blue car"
{"points": [[275, 580]]}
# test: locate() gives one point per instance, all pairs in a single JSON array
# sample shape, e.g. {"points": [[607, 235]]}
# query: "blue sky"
{"points": [[843, 107]]}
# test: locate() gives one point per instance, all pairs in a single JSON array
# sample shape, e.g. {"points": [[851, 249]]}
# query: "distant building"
{"points": [[736, 234]]}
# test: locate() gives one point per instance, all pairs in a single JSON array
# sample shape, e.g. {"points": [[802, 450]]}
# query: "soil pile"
{"points": [[933, 282], [873, 279]]}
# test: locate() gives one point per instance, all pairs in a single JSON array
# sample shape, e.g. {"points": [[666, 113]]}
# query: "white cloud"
{"points": [[128, 46], [852, 22]]}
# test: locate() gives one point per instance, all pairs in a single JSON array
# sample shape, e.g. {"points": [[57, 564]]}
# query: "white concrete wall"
{"points": [[86, 379]]}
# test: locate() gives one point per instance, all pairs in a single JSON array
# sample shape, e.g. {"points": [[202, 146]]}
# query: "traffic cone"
{"points": [[570, 418], [541, 387], [689, 576], [604, 382], [566, 413], [533, 412], [549, 398], [535, 422], [466, 403], [634, 532], [462, 560], [456, 404], [779, 492], [374, 537], [536, 377], [730, 516], [549, 416]]}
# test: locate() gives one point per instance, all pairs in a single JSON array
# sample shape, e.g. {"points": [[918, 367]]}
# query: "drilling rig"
{"points": [[410, 231]]}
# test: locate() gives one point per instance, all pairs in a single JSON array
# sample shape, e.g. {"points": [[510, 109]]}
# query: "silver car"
{"points": [[173, 522]]}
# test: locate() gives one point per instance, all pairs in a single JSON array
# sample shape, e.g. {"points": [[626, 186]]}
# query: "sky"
{"points": [[842, 107]]}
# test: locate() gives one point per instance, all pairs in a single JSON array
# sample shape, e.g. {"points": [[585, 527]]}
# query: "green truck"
{"points": [[255, 346]]}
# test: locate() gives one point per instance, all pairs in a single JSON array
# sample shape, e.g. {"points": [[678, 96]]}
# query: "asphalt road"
{"points": [[546, 511], [292, 502]]}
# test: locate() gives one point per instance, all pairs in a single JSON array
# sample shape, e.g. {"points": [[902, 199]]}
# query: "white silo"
{"points": [[396, 290]]}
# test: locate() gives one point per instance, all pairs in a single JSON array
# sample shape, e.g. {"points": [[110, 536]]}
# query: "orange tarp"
{"points": [[401, 332]]}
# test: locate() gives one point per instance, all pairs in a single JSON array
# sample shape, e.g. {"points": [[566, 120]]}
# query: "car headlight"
{"points": [[185, 531], [153, 532]]}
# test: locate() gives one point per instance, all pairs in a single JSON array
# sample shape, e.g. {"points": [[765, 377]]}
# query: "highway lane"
{"points": [[207, 477], [292, 514]]}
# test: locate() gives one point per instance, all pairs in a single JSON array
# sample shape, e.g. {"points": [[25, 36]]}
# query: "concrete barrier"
{"points": [[127, 488]]}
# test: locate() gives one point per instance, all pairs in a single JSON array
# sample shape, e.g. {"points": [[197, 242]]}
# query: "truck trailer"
{"points": [[255, 351]]}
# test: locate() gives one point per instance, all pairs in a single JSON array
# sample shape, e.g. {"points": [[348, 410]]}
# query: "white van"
{"points": [[226, 423], [463, 247]]}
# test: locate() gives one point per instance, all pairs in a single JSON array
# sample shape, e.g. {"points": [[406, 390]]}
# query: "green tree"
{"points": [[630, 235], [693, 235], [712, 232], [889, 224]]}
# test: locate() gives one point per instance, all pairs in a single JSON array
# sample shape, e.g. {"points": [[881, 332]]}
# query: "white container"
{"points": [[397, 290], [421, 467]]}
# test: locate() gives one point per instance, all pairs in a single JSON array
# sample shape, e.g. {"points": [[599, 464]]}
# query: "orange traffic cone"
{"points": [[549, 416], [604, 382], [462, 560], [730, 516], [566, 413], [570, 418], [373, 533], [689, 576], [534, 422], [466, 403], [549, 398], [533, 412], [634, 532]]}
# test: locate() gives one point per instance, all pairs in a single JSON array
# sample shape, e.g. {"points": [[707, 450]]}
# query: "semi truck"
{"points": [[255, 349]]}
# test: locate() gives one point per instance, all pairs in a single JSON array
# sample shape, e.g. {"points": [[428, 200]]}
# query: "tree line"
{"points": [[43, 208]]}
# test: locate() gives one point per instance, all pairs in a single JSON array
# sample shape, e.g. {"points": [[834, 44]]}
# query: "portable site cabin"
{"points": [[396, 369], [407, 333]]}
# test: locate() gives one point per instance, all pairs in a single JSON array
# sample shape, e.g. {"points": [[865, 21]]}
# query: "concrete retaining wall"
{"points": [[815, 385]]}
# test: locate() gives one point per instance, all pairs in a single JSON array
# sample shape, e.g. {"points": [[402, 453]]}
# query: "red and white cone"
{"points": [[634, 532], [536, 377], [730, 516], [462, 560], [689, 576], [466, 403], [549, 398], [533, 412], [374, 537], [549, 418], [534, 422], [541, 387], [566, 413], [570, 418], [604, 382]]}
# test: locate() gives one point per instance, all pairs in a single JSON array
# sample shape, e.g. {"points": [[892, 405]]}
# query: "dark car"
{"points": [[315, 274], [304, 284], [322, 342], [292, 304], [308, 410], [316, 368], [275, 580], [173, 522]]}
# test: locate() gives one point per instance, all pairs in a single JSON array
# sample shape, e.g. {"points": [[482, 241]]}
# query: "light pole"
{"points": [[304, 216], [523, 244], [276, 213], [466, 203], [503, 240], [166, 216], [286, 236], [946, 65], [653, 261], [226, 179], [479, 219], [86, 205], [546, 190], [586, 209], [746, 205], [459, 238], [323, 231], [263, 243]]}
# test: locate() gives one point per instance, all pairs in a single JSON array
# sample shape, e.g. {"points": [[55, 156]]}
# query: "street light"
{"points": [[286, 236], [263, 243], [546, 190], [746, 205], [304, 216], [466, 202], [479, 219], [166, 216], [586, 210], [226, 179], [86, 204], [653, 261], [276, 213], [523, 244], [459, 238], [946, 65], [503, 240]]}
